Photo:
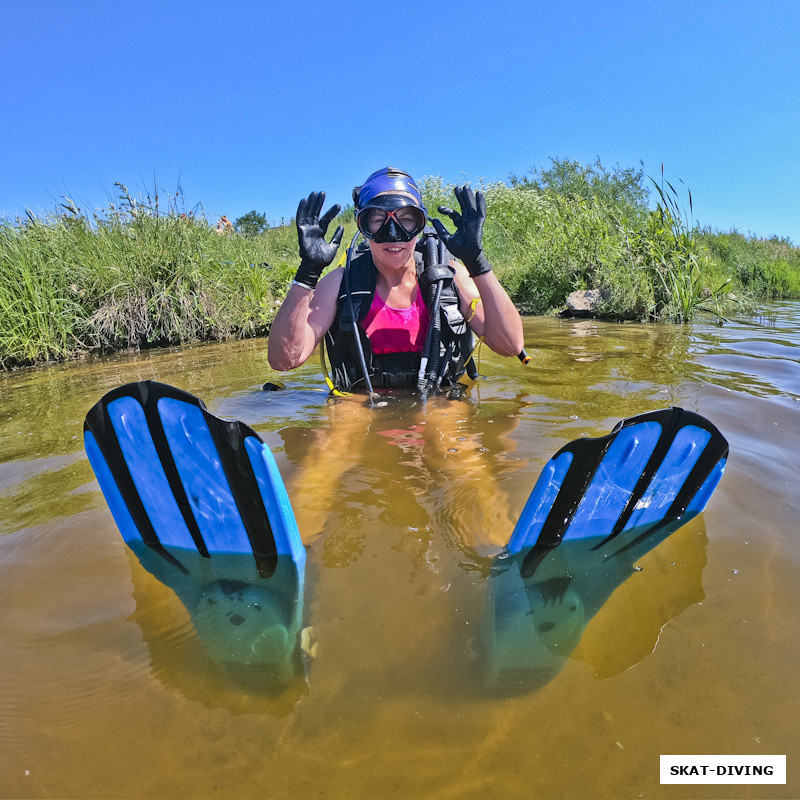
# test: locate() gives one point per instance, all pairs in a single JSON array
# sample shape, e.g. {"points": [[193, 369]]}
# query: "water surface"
{"points": [[107, 692]]}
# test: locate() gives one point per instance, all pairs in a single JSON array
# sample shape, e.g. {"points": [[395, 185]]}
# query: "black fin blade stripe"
{"points": [[98, 423], [228, 438], [588, 454]]}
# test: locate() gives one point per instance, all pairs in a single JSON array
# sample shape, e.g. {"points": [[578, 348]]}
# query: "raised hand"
{"points": [[315, 252], [467, 242]]}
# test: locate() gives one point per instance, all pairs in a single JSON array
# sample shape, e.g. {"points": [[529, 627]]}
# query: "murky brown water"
{"points": [[106, 692]]}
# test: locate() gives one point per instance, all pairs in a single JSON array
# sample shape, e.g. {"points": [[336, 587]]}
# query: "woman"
{"points": [[384, 291]]}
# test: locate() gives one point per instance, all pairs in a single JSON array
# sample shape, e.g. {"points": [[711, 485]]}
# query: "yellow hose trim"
{"points": [[476, 348], [465, 380], [324, 364]]}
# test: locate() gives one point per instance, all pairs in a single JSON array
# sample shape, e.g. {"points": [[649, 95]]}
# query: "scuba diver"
{"points": [[394, 317]]}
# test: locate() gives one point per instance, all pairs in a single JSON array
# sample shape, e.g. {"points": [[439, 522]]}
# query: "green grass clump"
{"points": [[768, 268], [565, 229], [133, 276], [38, 305], [574, 227]]}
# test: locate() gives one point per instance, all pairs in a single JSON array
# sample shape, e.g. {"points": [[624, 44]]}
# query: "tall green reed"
{"points": [[678, 261]]}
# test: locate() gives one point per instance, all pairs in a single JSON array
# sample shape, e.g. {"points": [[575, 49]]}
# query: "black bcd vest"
{"points": [[392, 370]]}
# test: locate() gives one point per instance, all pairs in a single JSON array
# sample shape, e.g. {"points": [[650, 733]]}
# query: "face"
{"points": [[392, 256], [392, 235]]}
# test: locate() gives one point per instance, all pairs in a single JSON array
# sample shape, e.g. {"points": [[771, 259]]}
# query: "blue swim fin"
{"points": [[598, 506], [201, 503]]}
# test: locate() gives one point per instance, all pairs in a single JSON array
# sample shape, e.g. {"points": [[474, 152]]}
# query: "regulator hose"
{"points": [[435, 272], [352, 310]]}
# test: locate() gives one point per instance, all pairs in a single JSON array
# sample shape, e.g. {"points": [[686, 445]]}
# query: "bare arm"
{"points": [[495, 317], [309, 308], [301, 322]]}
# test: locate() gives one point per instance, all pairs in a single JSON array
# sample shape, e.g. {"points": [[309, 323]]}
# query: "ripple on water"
{"points": [[89, 637], [67, 655], [761, 360], [98, 658]]}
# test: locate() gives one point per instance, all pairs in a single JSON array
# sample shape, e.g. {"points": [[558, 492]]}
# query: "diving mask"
{"points": [[391, 225]]}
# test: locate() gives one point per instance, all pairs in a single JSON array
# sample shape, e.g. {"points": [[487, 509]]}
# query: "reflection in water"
{"points": [[534, 624], [762, 359], [426, 467]]}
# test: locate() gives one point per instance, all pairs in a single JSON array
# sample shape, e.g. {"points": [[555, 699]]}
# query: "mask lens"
{"points": [[371, 220], [412, 219]]}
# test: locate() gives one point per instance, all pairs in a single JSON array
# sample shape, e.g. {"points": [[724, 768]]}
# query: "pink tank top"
{"points": [[396, 330]]}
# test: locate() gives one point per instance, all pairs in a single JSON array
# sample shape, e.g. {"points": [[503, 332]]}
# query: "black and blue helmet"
{"points": [[382, 195]]}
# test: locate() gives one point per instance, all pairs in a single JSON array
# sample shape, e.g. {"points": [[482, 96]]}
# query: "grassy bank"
{"points": [[573, 227], [135, 275], [141, 274]]}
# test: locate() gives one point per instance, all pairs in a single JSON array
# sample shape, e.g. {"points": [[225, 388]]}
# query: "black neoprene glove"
{"points": [[315, 252], [467, 242]]}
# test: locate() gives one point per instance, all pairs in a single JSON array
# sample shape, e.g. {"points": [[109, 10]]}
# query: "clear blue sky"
{"points": [[252, 105]]}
